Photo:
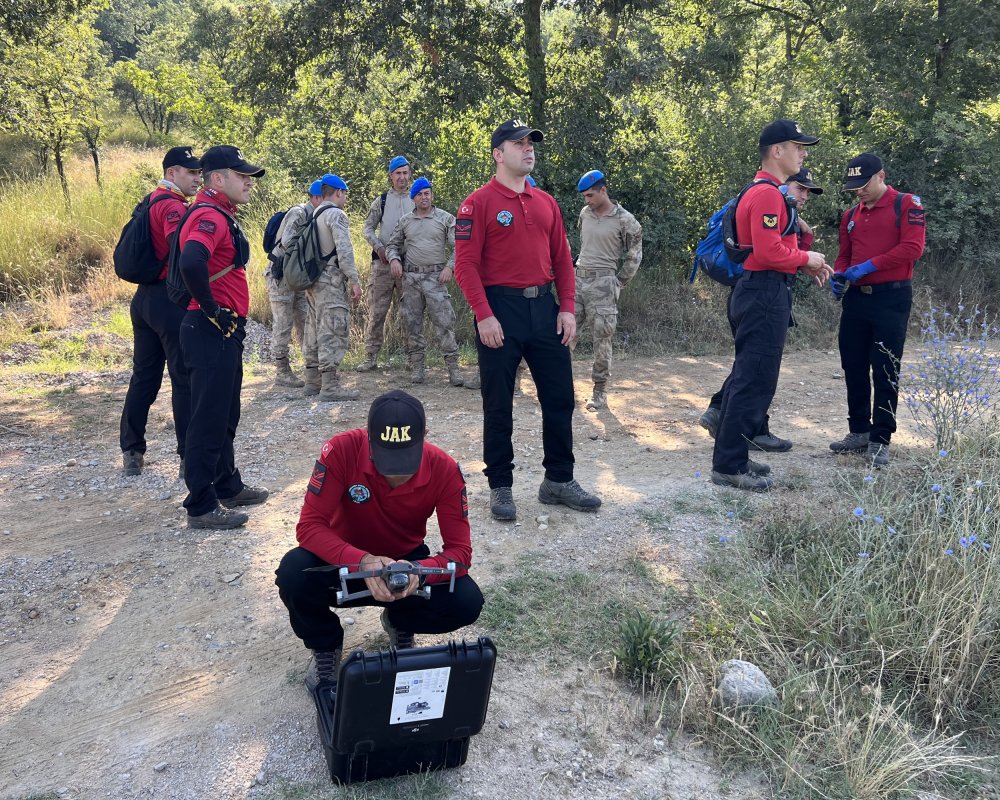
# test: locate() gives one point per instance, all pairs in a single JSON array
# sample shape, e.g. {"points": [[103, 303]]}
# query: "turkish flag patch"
{"points": [[317, 478], [915, 216], [206, 226], [770, 221], [463, 229]]}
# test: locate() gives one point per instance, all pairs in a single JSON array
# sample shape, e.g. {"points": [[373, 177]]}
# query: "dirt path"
{"points": [[140, 659]]}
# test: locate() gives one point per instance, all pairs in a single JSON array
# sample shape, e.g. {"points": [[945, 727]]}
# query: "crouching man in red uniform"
{"points": [[367, 504]]}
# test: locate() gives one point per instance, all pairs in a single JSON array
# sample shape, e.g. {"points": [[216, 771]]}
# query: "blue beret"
{"points": [[397, 162], [316, 188], [530, 180], [589, 179], [333, 180], [418, 186]]}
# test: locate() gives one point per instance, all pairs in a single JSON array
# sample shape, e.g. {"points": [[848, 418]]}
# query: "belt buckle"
{"points": [[531, 292], [865, 289]]}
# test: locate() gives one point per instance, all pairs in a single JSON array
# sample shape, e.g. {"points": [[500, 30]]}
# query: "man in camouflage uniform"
{"points": [[607, 233], [385, 211], [331, 296], [421, 251], [289, 309]]}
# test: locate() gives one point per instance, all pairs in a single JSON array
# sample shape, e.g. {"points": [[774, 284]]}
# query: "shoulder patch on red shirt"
{"points": [[317, 478], [915, 216], [463, 228], [770, 221], [206, 226], [173, 215]]}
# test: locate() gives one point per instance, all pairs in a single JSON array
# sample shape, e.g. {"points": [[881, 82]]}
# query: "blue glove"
{"points": [[858, 271], [838, 285]]}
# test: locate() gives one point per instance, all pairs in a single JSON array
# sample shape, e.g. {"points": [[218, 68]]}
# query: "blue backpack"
{"points": [[719, 255]]}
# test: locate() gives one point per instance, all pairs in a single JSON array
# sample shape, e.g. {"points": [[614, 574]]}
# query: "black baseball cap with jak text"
{"points": [[224, 156], [512, 130], [860, 170], [181, 157], [396, 427], [785, 130], [804, 178]]}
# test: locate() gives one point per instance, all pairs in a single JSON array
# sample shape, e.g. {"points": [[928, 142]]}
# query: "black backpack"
{"points": [[134, 258], [177, 290], [382, 197], [271, 231]]}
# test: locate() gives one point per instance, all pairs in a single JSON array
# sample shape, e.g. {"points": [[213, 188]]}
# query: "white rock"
{"points": [[234, 576], [542, 518], [71, 462], [743, 684], [161, 766]]}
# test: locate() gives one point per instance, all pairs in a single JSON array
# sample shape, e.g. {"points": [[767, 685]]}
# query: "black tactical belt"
{"points": [[875, 288], [530, 292]]}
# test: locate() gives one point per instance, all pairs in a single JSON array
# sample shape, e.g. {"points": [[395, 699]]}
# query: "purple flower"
{"points": [[891, 529], [949, 552], [986, 545], [943, 453], [936, 487], [869, 478], [862, 555], [697, 474], [723, 539], [858, 512], [730, 514], [964, 542]]}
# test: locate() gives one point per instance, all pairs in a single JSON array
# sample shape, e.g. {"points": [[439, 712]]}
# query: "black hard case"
{"points": [[358, 740]]}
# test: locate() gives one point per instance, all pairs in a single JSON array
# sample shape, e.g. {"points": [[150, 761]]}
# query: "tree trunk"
{"points": [[943, 46], [92, 136], [57, 153], [535, 59]]}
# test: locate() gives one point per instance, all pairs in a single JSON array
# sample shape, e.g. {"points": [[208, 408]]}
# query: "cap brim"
{"points": [[815, 189], [808, 141], [191, 163], [248, 169], [401, 461], [535, 134], [856, 183]]}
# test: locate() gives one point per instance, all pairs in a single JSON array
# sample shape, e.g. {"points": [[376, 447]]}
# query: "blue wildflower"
{"points": [[986, 545], [943, 453], [858, 512], [891, 529], [869, 478], [862, 555], [723, 539], [949, 552], [964, 542], [730, 514], [697, 474], [879, 520], [936, 487]]}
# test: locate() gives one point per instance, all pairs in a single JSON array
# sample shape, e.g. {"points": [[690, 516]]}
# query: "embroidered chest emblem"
{"points": [[850, 226], [359, 493], [505, 218]]}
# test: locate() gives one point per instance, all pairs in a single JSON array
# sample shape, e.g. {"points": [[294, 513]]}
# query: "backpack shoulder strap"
{"points": [[381, 213], [154, 200], [898, 206]]}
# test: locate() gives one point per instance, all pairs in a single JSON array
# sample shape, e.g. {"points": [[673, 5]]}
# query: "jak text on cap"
{"points": [[396, 426]]}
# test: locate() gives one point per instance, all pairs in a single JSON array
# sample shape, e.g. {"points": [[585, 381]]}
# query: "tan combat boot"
{"points": [[333, 390], [312, 381], [600, 398], [370, 363], [417, 369], [283, 375], [457, 378]]}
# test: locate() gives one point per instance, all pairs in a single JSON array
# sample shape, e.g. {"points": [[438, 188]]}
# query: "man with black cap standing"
{"points": [[761, 304], [881, 238], [510, 246], [156, 321], [799, 187], [213, 254], [384, 213], [366, 506], [608, 233], [422, 251]]}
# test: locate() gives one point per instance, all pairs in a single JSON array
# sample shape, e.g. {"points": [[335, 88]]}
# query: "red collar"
{"points": [[510, 194], [216, 198]]}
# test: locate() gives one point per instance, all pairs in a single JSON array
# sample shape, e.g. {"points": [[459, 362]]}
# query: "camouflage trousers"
{"points": [[289, 311], [597, 308], [379, 299], [329, 321], [422, 290]]}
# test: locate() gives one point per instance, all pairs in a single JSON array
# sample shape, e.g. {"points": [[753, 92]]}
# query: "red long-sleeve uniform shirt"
{"points": [[211, 228], [873, 236], [164, 217], [350, 510], [761, 216], [503, 238]]}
